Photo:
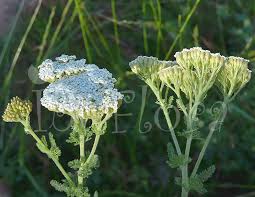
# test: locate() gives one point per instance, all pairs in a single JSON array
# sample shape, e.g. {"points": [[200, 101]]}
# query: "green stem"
{"points": [[167, 117], [93, 150], [169, 123], [190, 124], [170, 126], [185, 174], [82, 155], [54, 159], [207, 141]]}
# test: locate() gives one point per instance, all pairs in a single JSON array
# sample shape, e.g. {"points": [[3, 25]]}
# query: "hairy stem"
{"points": [[167, 117], [171, 128], [54, 159], [208, 138], [82, 155], [190, 126], [93, 150], [185, 174]]}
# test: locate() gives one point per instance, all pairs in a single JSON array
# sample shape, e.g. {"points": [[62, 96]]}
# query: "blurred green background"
{"points": [[110, 33]]}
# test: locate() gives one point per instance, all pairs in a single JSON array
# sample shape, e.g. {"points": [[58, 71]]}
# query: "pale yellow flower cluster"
{"points": [[17, 110], [194, 72]]}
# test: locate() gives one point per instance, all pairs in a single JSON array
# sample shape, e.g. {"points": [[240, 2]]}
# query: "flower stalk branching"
{"points": [[193, 73], [85, 93]]}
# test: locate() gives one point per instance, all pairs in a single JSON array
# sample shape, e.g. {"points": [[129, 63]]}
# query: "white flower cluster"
{"points": [[78, 89], [64, 66]]}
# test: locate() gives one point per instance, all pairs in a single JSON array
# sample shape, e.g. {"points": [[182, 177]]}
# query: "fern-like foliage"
{"points": [[86, 168], [71, 191], [54, 149], [196, 183], [174, 160], [51, 148], [207, 173], [74, 164], [196, 134], [74, 138]]}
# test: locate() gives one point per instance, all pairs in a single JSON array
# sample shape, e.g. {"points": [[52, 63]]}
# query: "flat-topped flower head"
{"points": [[84, 95], [17, 110], [179, 79], [64, 66], [200, 60], [233, 76], [202, 66], [147, 68], [171, 76]]}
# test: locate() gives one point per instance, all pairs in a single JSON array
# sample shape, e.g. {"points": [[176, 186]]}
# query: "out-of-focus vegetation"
{"points": [[110, 34]]}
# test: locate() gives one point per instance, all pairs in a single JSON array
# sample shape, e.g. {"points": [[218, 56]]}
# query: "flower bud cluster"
{"points": [[195, 71], [233, 76], [17, 110], [147, 68]]}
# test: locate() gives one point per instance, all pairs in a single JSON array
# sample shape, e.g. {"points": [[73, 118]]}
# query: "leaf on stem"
{"points": [[196, 135], [55, 150], [207, 173], [174, 160], [196, 183], [74, 164], [71, 191], [74, 138], [87, 168]]}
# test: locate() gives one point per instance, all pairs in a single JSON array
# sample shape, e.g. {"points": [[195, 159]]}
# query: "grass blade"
{"points": [[145, 37], [191, 12], [7, 43], [83, 24], [115, 27], [7, 80], [45, 35], [59, 27]]}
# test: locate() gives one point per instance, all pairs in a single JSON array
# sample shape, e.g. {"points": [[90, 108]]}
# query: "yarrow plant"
{"points": [[85, 93], [185, 83]]}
